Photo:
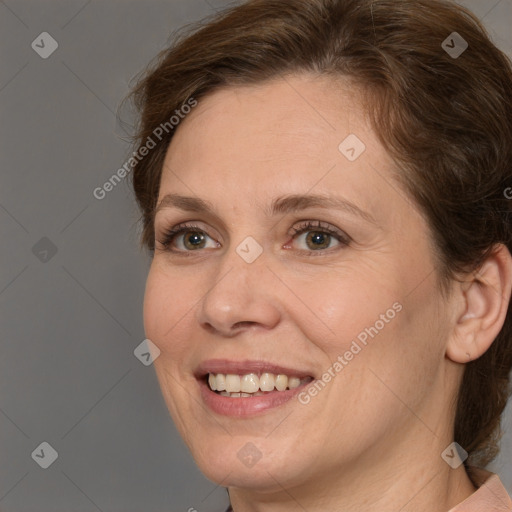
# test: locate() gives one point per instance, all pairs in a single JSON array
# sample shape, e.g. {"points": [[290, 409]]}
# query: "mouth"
{"points": [[252, 384], [246, 388]]}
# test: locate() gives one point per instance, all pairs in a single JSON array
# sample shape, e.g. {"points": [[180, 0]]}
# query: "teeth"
{"points": [[212, 381], [267, 381], [258, 393], [252, 385], [281, 382], [232, 383], [221, 382], [293, 382]]}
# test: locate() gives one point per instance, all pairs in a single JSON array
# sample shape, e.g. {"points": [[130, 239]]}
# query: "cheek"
{"points": [[153, 306], [332, 309], [165, 307], [372, 322]]}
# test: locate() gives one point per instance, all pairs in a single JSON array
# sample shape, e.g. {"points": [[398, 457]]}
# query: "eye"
{"points": [[319, 237], [192, 238], [189, 238]]}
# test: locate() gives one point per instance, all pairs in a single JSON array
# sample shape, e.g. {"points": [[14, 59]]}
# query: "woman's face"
{"points": [[350, 301]]}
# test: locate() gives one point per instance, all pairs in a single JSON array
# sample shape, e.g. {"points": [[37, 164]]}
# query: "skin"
{"points": [[372, 438]]}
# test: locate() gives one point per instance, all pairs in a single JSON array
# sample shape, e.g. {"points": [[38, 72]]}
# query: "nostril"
{"points": [[243, 324]]}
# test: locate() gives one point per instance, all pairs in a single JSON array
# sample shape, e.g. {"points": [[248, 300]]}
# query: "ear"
{"points": [[484, 303]]}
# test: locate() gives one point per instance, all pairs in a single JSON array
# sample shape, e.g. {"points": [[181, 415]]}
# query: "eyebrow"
{"points": [[281, 205]]}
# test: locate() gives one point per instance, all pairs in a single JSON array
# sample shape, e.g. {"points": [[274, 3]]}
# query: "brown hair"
{"points": [[445, 120]]}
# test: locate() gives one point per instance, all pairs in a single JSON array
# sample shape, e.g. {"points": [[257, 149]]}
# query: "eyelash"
{"points": [[168, 236]]}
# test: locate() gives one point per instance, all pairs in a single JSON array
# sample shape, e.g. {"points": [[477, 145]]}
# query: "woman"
{"points": [[322, 184]]}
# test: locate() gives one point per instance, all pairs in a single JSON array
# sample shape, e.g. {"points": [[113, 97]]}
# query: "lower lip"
{"points": [[246, 406]]}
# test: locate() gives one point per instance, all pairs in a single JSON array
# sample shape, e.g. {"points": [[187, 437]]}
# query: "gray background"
{"points": [[70, 321]]}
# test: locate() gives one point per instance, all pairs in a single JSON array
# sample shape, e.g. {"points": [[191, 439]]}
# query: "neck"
{"points": [[381, 483]]}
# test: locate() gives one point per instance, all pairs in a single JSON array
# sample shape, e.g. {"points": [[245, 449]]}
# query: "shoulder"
{"points": [[490, 496]]}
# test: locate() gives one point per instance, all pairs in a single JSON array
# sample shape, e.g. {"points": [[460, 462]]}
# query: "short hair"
{"points": [[445, 118]]}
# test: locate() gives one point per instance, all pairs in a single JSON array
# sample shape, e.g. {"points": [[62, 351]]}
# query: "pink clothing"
{"points": [[491, 495]]}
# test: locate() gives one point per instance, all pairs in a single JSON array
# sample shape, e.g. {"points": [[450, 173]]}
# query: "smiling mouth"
{"points": [[252, 384]]}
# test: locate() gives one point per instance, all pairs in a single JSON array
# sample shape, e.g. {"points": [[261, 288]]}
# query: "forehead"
{"points": [[290, 126]]}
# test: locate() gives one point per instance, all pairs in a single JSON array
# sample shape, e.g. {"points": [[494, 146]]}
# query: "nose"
{"points": [[240, 295]]}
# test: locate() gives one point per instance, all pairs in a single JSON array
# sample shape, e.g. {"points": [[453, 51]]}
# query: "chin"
{"points": [[263, 479], [239, 463]]}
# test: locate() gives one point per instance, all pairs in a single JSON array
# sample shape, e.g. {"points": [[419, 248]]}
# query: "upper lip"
{"points": [[227, 366]]}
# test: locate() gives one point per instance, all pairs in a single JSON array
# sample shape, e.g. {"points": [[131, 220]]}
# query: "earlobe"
{"points": [[486, 296]]}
